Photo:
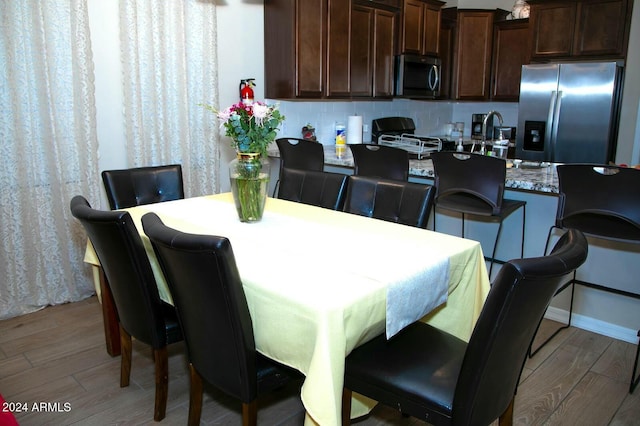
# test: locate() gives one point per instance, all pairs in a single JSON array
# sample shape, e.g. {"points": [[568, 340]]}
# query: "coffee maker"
{"points": [[476, 127]]}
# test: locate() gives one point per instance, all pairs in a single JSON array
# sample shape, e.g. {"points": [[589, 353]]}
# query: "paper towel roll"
{"points": [[354, 129]]}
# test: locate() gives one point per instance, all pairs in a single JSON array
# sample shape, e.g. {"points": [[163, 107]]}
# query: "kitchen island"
{"points": [[603, 313]]}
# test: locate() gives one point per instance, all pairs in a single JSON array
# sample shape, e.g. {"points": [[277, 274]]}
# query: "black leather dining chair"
{"points": [[212, 308], [322, 189], [141, 312], [603, 202], [407, 203], [432, 375], [143, 185], [380, 161], [472, 184], [300, 154]]}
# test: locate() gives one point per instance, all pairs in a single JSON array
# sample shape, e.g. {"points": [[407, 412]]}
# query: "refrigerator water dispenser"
{"points": [[534, 135]]}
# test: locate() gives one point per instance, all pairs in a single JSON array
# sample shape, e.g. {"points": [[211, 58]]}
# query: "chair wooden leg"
{"points": [[506, 418], [346, 406], [125, 361], [195, 397], [250, 413], [162, 382], [109, 316]]}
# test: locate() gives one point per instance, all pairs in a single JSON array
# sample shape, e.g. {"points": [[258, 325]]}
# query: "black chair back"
{"points": [[600, 200], [478, 179], [505, 329], [322, 189], [143, 185], [391, 200], [300, 154], [121, 253], [380, 161], [205, 284]]}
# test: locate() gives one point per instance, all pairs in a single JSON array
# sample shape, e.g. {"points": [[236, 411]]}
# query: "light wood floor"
{"points": [[58, 355]]}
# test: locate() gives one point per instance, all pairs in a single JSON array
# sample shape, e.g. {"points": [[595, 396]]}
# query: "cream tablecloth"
{"points": [[317, 281]]}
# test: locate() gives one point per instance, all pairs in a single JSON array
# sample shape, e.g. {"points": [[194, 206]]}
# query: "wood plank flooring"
{"points": [[57, 355]]}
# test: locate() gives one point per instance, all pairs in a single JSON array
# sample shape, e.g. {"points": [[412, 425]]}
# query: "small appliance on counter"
{"points": [[476, 127]]}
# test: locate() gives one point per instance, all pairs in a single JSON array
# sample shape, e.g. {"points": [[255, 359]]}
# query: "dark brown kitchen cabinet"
{"points": [[446, 51], [295, 45], [579, 29], [338, 53], [372, 51], [509, 38], [472, 68], [420, 27]]}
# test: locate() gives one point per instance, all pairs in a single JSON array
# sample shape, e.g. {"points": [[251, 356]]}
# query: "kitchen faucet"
{"points": [[486, 120]]}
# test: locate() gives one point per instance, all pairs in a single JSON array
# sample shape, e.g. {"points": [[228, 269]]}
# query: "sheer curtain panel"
{"points": [[48, 152], [169, 68]]}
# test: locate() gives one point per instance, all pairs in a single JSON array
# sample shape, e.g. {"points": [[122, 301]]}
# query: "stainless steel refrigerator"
{"points": [[569, 112]]}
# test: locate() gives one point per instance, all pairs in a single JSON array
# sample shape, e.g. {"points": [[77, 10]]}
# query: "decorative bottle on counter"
{"points": [[341, 140]]}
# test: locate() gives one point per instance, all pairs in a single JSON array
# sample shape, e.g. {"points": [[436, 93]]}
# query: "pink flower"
{"points": [[260, 112]]}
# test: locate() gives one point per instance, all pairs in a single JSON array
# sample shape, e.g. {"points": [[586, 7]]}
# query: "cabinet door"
{"points": [[473, 56], [361, 51], [311, 19], [553, 28], [384, 29], [601, 28], [447, 43], [413, 27], [431, 43], [338, 61], [509, 37]]}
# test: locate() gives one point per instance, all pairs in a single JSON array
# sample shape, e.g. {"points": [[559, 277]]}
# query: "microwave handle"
{"points": [[433, 78]]}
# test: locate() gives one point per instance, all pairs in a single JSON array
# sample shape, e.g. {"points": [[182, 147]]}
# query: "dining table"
{"points": [[320, 282]]}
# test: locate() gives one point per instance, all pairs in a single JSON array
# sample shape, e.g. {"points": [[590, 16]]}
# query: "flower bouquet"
{"points": [[251, 127]]}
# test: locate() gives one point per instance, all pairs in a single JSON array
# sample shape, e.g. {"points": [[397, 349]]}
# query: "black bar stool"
{"points": [[603, 202]]}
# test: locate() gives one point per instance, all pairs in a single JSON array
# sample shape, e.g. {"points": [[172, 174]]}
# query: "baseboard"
{"points": [[596, 326]]}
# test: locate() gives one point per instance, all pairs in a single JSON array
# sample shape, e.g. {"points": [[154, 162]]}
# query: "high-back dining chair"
{"points": [[434, 376], [407, 203], [205, 284], [322, 189], [143, 185], [380, 161], [300, 154], [472, 184], [603, 202], [141, 312]]}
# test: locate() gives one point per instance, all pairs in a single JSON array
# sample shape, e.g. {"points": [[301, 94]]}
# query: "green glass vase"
{"points": [[249, 174]]}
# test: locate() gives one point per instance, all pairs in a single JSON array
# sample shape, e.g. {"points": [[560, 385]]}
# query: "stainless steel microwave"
{"points": [[417, 77]]}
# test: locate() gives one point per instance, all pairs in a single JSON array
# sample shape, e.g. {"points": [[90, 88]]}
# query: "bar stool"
{"points": [[604, 203], [301, 154], [380, 161], [473, 184]]}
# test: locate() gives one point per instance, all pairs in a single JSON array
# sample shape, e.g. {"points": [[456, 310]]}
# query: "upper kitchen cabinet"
{"points": [[472, 62], [372, 51], [328, 49], [509, 37], [579, 29], [295, 46], [420, 30]]}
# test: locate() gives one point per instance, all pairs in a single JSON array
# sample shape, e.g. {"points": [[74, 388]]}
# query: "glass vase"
{"points": [[249, 174]]}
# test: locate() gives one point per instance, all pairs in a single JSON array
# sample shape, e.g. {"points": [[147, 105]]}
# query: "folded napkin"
{"points": [[411, 299]]}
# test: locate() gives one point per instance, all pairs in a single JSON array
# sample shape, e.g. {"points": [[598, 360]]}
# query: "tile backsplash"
{"points": [[430, 117]]}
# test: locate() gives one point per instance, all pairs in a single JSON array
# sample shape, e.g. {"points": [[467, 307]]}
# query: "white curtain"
{"points": [[169, 68], [48, 151]]}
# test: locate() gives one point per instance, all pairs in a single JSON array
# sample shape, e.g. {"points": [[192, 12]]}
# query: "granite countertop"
{"points": [[526, 177]]}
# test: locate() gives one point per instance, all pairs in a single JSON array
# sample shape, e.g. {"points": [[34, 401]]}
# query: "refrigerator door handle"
{"points": [[556, 121], [548, 146]]}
